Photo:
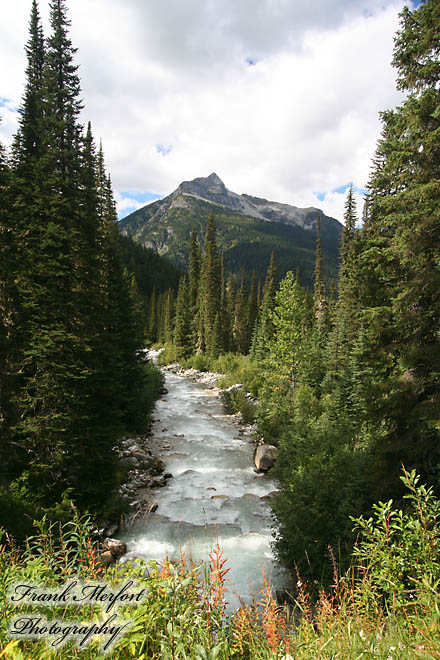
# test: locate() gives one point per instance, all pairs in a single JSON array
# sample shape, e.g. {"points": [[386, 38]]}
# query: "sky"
{"points": [[281, 98]]}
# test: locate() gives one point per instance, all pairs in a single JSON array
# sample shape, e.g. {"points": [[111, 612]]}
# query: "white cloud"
{"points": [[334, 204], [126, 204], [304, 118]]}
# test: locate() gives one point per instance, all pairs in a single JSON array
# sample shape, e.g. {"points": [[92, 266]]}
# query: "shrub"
{"points": [[399, 550], [241, 404]]}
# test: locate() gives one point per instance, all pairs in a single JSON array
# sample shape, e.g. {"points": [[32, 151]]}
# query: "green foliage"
{"points": [[263, 331], [200, 362], [71, 323], [183, 610], [366, 394], [275, 410], [209, 292], [288, 316], [152, 270], [398, 551], [247, 242], [183, 321], [244, 406], [239, 369]]}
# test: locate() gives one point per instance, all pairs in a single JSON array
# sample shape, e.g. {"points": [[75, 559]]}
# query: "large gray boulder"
{"points": [[115, 546], [265, 457]]}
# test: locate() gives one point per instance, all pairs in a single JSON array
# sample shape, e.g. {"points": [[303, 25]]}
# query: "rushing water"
{"points": [[214, 493]]}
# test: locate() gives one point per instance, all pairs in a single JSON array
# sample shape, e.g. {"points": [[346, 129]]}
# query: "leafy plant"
{"points": [[399, 550]]}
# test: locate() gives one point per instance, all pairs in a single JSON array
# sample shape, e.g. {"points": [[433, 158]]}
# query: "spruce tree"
{"points": [[168, 318], [27, 146], [7, 315], [183, 319], [229, 313], [264, 331], [152, 318], [241, 335], [319, 288], [288, 316], [401, 275], [195, 290], [347, 309], [210, 283], [224, 319], [47, 194], [194, 268], [251, 310], [349, 228], [76, 338], [216, 346]]}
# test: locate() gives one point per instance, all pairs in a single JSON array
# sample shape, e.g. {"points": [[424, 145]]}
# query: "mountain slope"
{"points": [[249, 229]]}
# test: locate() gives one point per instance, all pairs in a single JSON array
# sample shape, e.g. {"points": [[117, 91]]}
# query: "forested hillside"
{"points": [[152, 271], [246, 241]]}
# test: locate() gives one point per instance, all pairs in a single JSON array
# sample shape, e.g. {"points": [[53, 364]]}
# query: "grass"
{"points": [[183, 612]]}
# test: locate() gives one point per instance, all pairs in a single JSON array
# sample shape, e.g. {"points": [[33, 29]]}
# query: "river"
{"points": [[214, 493]]}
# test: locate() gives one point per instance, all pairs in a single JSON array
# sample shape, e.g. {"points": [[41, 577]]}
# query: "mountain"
{"points": [[151, 270], [249, 229]]}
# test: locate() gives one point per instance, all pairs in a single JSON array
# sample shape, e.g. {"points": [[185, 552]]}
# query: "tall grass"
{"points": [[380, 609]]}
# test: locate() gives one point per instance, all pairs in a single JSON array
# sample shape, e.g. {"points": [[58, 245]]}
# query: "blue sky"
{"points": [[341, 190], [129, 201], [280, 98]]}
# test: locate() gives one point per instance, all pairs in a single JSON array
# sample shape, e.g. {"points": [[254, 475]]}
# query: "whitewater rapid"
{"points": [[214, 494]]}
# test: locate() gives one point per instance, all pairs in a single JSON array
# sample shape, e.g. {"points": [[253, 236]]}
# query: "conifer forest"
{"points": [[342, 377]]}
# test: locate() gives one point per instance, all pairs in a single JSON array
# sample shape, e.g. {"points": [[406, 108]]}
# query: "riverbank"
{"points": [[213, 493], [147, 471], [207, 378], [210, 380]]}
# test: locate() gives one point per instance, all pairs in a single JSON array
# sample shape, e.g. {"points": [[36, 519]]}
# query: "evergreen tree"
{"points": [[195, 291], [7, 314], [217, 338], [264, 330], [137, 303], [240, 318], [168, 317], [224, 319], [319, 290], [78, 381], [210, 285], [50, 282], [251, 310], [288, 316], [194, 268], [348, 284], [259, 296], [152, 318], [348, 231], [400, 276], [230, 313], [183, 319], [27, 146]]}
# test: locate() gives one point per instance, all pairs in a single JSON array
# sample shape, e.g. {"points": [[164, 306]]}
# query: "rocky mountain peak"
{"points": [[214, 180], [212, 189], [288, 231], [204, 187]]}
